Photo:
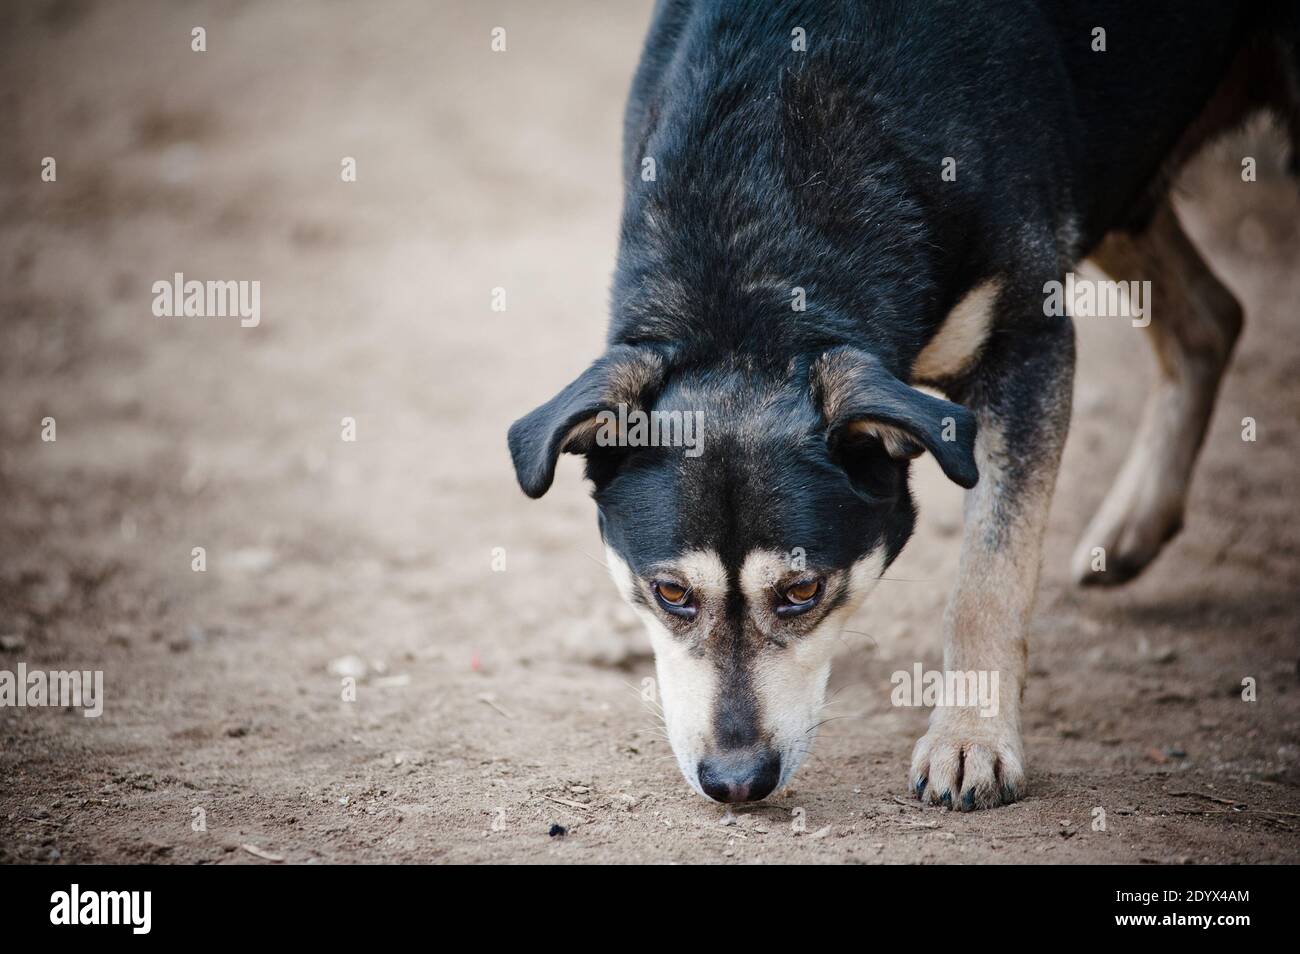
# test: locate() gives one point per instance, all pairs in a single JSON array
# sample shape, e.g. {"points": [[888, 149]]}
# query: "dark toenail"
{"points": [[946, 799], [968, 800], [920, 786]]}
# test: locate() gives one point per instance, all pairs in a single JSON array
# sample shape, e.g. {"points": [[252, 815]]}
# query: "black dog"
{"points": [[828, 203]]}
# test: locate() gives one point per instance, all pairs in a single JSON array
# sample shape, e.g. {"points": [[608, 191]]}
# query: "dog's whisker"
{"points": [[856, 684], [595, 559], [654, 708], [836, 718], [857, 632]]}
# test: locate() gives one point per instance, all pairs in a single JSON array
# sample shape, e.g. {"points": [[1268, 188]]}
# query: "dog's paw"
{"points": [[1127, 533], [967, 762]]}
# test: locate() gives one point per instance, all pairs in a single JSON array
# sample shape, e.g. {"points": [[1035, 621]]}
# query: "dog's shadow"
{"points": [[1192, 614]]}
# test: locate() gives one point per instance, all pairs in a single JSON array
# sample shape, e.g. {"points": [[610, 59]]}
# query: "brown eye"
{"points": [[800, 597], [671, 593], [675, 599]]}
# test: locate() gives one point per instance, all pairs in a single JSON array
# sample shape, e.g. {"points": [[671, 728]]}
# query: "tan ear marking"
{"points": [[897, 443], [629, 380], [581, 437], [835, 378], [627, 384]]}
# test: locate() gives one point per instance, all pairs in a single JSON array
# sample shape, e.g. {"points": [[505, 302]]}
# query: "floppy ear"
{"points": [[567, 422], [858, 396]]}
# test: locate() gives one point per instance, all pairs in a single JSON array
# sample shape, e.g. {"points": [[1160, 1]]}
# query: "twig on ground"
{"points": [[566, 801]]}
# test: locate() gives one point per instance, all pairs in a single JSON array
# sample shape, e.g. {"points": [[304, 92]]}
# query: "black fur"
{"points": [[821, 170]]}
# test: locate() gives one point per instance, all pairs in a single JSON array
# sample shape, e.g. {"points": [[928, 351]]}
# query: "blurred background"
{"points": [[492, 704]]}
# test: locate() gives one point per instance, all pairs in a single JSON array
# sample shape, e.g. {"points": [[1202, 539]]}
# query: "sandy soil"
{"points": [[496, 704]]}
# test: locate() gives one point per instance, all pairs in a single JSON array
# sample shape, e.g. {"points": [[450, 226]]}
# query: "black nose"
{"points": [[740, 776]]}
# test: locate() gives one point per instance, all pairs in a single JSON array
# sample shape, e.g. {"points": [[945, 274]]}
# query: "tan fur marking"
{"points": [[966, 755], [704, 573], [627, 383], [960, 337], [581, 437], [762, 570], [628, 380], [836, 378], [897, 443]]}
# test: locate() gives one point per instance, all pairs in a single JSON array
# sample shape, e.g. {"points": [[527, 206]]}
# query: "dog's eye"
{"points": [[800, 597], [675, 598], [671, 593], [802, 592]]}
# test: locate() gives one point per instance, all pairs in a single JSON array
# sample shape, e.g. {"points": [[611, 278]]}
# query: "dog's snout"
{"points": [[740, 777]]}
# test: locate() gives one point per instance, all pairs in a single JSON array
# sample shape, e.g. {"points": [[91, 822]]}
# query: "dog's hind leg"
{"points": [[1194, 323]]}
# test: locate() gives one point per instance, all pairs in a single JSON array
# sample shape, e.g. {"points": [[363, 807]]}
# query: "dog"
{"points": [[828, 207]]}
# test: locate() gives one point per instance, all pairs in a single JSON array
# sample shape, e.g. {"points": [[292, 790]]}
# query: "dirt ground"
{"points": [[492, 705]]}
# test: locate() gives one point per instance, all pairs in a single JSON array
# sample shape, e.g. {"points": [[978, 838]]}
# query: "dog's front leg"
{"points": [[972, 756]]}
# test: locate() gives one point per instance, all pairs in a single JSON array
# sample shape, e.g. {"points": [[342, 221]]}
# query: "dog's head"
{"points": [[746, 542]]}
